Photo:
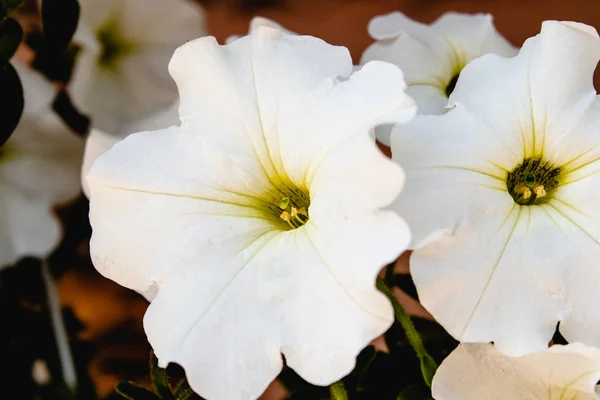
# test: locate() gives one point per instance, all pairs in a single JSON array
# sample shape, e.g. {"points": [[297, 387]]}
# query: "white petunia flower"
{"points": [[256, 227], [432, 56], [476, 371], [99, 142], [121, 74], [39, 168], [503, 191]]}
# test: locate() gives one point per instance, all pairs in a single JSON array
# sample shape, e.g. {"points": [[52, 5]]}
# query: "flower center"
{"points": [[293, 209], [113, 46], [533, 181], [452, 84]]}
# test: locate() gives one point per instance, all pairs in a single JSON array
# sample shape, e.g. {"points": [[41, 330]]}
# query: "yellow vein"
{"points": [[334, 276], [462, 169], [496, 264], [230, 281]]}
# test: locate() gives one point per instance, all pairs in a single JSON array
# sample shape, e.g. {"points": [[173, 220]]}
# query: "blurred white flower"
{"points": [[99, 142], [432, 56], [39, 168], [476, 371], [502, 196], [121, 74], [256, 226]]}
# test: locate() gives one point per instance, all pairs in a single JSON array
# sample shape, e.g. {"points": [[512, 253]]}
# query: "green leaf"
{"points": [[11, 35], [11, 99], [414, 392], [160, 380], [59, 20], [183, 390], [131, 391]]}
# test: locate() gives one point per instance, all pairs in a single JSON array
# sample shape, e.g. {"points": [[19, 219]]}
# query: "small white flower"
{"points": [[256, 226], [99, 142], [432, 56], [502, 196], [477, 371], [121, 74], [39, 168]]}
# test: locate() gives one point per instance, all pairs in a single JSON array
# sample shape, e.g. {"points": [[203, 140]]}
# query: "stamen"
{"points": [[533, 181], [539, 190], [294, 216]]}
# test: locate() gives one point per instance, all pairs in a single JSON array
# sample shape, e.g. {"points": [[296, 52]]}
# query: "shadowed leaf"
{"points": [[11, 99], [59, 19], [10, 38]]}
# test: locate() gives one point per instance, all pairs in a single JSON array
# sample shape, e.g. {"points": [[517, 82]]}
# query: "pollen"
{"points": [[533, 181], [294, 209]]}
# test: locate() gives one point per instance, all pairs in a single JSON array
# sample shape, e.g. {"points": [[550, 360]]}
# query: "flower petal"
{"points": [[479, 371], [311, 331], [172, 184], [422, 53], [289, 119], [472, 35], [27, 226], [459, 177], [215, 325], [575, 209], [521, 104], [139, 77], [431, 99], [516, 260], [98, 142], [42, 142]]}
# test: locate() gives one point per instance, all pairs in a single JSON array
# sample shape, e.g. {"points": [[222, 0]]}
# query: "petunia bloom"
{"points": [[121, 72], [475, 371], [39, 168], [432, 56], [503, 191], [257, 227]]}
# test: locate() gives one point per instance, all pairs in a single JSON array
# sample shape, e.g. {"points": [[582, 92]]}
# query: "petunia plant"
{"points": [[277, 253]]}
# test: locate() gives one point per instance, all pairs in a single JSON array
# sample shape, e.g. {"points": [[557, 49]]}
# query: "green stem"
{"points": [[428, 364], [338, 391]]}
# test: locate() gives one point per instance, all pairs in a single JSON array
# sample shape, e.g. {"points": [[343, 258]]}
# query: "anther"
{"points": [[539, 191]]}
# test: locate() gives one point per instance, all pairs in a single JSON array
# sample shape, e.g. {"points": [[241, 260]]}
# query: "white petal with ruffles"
{"points": [[476, 371]]}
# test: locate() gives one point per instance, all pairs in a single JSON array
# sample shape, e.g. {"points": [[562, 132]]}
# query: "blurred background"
{"points": [[108, 318]]}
